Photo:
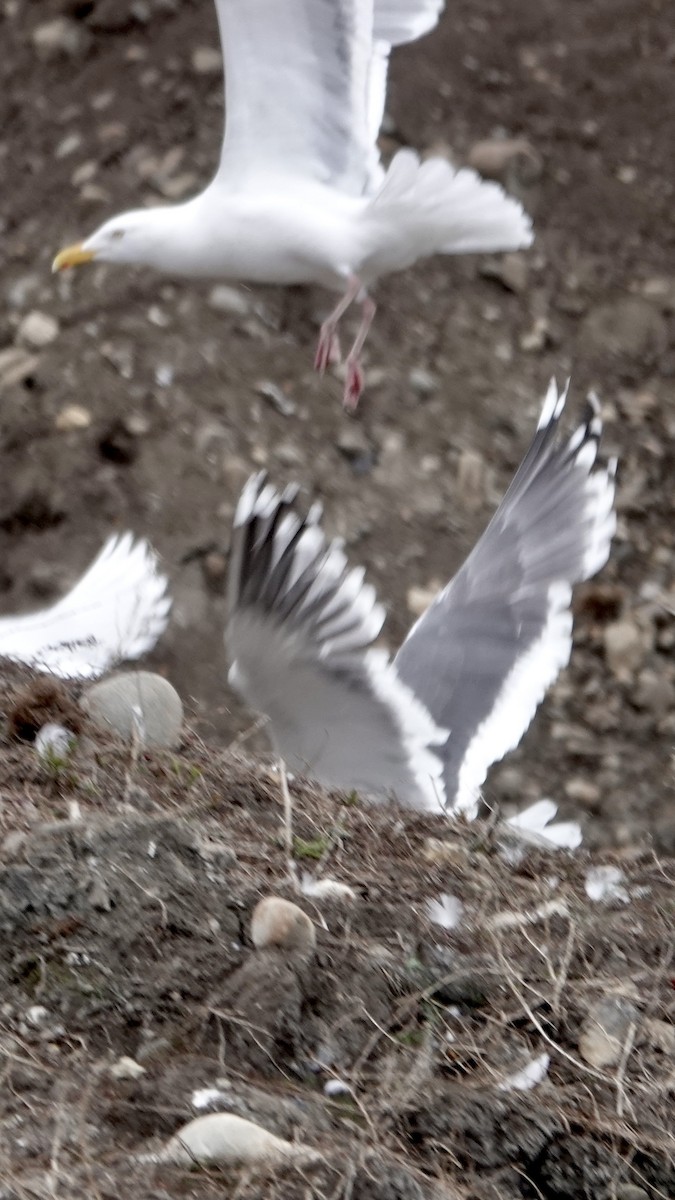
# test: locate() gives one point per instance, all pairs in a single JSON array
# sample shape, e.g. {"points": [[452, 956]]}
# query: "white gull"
{"points": [[300, 195]]}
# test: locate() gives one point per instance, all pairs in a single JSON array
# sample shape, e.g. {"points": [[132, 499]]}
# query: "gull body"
{"points": [[300, 195], [426, 725]]}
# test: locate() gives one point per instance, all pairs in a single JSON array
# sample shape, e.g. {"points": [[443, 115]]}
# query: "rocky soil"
{"points": [[128, 881]]}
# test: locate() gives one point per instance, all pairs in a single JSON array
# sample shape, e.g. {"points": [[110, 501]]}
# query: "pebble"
{"points": [[510, 270], [277, 398], [230, 300], [226, 1138], [72, 417], [606, 1029], [512, 161], [418, 599], [126, 1068], [206, 60], [37, 330], [422, 382], [277, 922], [53, 742], [60, 36], [471, 480], [15, 366], [654, 692], [137, 704], [625, 647], [629, 328]]}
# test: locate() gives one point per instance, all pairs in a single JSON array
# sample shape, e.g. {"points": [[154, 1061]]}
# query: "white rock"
{"points": [[326, 889], [445, 911], [137, 705], [277, 922], [53, 741], [37, 330], [528, 1077], [206, 60], [229, 300], [72, 417], [37, 1015], [336, 1087], [60, 36], [126, 1068], [226, 1138]]}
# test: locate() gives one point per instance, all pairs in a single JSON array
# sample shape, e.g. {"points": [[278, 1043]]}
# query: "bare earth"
{"points": [[137, 954]]}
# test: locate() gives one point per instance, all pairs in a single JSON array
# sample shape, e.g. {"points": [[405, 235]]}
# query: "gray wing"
{"points": [[305, 84], [300, 639], [484, 653], [117, 610]]}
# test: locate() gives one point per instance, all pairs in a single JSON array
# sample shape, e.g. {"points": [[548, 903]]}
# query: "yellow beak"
{"points": [[72, 256]]}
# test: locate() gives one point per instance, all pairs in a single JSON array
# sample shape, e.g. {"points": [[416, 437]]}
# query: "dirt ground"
{"points": [[139, 955]]}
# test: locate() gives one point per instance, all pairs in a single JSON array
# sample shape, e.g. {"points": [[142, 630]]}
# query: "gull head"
{"points": [[141, 237]]}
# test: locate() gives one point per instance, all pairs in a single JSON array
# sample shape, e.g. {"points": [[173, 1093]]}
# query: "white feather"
{"points": [[117, 610]]}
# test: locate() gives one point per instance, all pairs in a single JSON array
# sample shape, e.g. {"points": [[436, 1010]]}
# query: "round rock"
{"points": [[277, 922], [137, 704]]}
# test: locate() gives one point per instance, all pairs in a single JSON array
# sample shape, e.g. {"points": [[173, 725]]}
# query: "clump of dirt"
{"points": [[126, 891]]}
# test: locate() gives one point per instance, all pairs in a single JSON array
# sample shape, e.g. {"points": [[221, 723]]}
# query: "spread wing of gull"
{"points": [[484, 653], [300, 639], [305, 83], [117, 610], [464, 686]]}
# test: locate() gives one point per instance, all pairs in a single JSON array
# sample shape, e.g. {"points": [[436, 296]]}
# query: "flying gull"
{"points": [[117, 610], [464, 686], [300, 195]]}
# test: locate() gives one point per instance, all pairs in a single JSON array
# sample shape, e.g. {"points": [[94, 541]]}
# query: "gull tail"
{"points": [[425, 208], [117, 610]]}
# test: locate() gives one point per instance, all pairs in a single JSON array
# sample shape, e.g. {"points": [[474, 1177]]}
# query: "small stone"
{"points": [[206, 60], [418, 599], [277, 922], [61, 36], [509, 269], [582, 791], [16, 365], [627, 329], [660, 1034], [606, 1029], [126, 1068], [625, 647], [137, 705], [471, 480], [72, 417], [37, 330], [422, 382], [53, 742], [37, 1015], [512, 161], [537, 337], [277, 398], [654, 692], [230, 300], [355, 447]]}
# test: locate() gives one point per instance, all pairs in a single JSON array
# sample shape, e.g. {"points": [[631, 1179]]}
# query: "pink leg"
{"points": [[354, 380], [329, 347]]}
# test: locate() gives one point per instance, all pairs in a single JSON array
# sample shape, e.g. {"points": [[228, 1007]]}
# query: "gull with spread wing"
{"points": [[300, 195], [464, 686], [116, 611]]}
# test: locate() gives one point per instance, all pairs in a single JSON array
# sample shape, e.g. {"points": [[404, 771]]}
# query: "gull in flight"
{"points": [[117, 610], [426, 725], [300, 195]]}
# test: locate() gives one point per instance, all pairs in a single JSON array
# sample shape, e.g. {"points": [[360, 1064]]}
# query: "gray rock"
{"points": [[230, 300], [625, 647], [630, 329], [61, 36], [606, 1029], [137, 704]]}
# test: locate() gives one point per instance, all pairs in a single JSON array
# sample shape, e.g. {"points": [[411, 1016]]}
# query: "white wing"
{"points": [[305, 82], [299, 638], [483, 655], [116, 611]]}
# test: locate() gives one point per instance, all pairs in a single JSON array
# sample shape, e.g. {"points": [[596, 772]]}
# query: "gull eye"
{"points": [[116, 235]]}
